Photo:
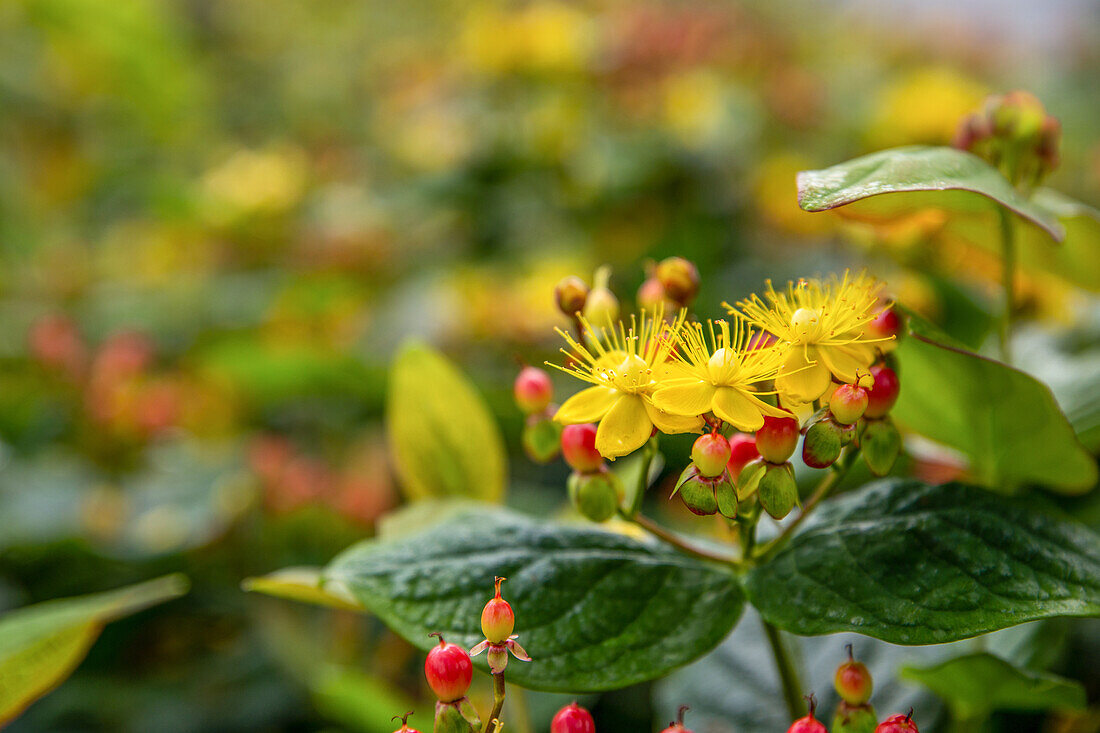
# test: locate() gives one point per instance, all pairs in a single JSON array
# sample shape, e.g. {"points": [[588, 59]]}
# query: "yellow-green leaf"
{"points": [[303, 584], [444, 440]]}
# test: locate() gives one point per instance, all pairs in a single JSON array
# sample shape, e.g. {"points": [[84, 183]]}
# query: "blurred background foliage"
{"points": [[218, 221]]}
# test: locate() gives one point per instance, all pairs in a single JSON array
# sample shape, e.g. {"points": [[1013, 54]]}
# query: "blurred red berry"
{"points": [[777, 438], [573, 719], [898, 724], [533, 390], [884, 394], [578, 446], [742, 450]]}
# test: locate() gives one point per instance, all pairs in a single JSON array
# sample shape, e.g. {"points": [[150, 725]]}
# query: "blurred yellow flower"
{"points": [[721, 378], [624, 365], [924, 106], [821, 327], [776, 196]]}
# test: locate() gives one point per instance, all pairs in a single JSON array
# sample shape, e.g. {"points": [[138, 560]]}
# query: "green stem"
{"points": [[649, 452], [663, 534], [493, 723], [788, 673], [1008, 256], [746, 530]]}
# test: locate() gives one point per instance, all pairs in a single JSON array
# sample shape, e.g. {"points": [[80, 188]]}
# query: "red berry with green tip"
{"points": [[533, 390], [497, 619], [449, 670], [853, 681], [742, 451], [710, 454], [578, 446], [884, 393], [808, 724], [404, 723], [777, 438], [898, 724], [678, 726], [848, 403], [573, 719]]}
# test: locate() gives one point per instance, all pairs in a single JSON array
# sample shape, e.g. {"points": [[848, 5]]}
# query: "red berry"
{"points": [[578, 446], [710, 454], [885, 392], [404, 723], [449, 670], [853, 681], [742, 450], [533, 390], [886, 324], [898, 724], [808, 724], [497, 619], [573, 719], [848, 403], [678, 726], [777, 438]]}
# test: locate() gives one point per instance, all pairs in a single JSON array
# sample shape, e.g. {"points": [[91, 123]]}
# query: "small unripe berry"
{"points": [[541, 438], [404, 723], [497, 619], [742, 450], [697, 493], [898, 724], [884, 394], [449, 670], [853, 718], [578, 447], [822, 444], [595, 495], [710, 454], [533, 390], [881, 445], [602, 307], [678, 726], [679, 278], [777, 438], [808, 724], [853, 681], [778, 490], [848, 403], [573, 719], [570, 294]]}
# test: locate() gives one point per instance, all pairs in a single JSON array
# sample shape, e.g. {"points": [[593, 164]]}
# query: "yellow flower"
{"points": [[822, 328], [624, 365], [721, 379]]}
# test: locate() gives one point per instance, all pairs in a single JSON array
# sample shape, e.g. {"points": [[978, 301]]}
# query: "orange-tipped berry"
{"points": [[849, 401], [808, 724], [449, 670], [595, 495], [573, 719], [533, 390], [710, 454], [853, 681], [497, 619], [884, 394], [678, 726], [578, 447], [404, 723], [742, 450], [777, 438], [570, 295], [679, 278], [898, 724]]}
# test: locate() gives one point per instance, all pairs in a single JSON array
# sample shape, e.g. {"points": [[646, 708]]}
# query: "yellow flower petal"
{"points": [[625, 428], [588, 405], [799, 382], [684, 399], [666, 422], [845, 361], [738, 409]]}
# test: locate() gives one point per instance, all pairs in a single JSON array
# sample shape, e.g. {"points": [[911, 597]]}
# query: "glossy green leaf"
{"points": [[444, 440], [1006, 422], [893, 183], [595, 610], [40, 645], [302, 584], [916, 564], [975, 685]]}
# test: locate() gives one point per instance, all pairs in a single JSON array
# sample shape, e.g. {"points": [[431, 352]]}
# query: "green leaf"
{"points": [[595, 610], [1078, 258], [40, 645], [302, 584], [916, 564], [975, 685], [444, 440], [362, 702], [894, 183], [1005, 421]]}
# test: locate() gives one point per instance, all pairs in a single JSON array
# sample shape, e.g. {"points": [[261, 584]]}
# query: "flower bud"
{"points": [[848, 403], [678, 726], [497, 618], [898, 724], [679, 278], [404, 723], [533, 390], [595, 495], [884, 393], [449, 670], [881, 444], [696, 493], [602, 307], [570, 294], [853, 681], [573, 719], [651, 295], [808, 724], [822, 444], [777, 438], [456, 717], [710, 454], [853, 719], [778, 490], [742, 450], [578, 447], [541, 438]]}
